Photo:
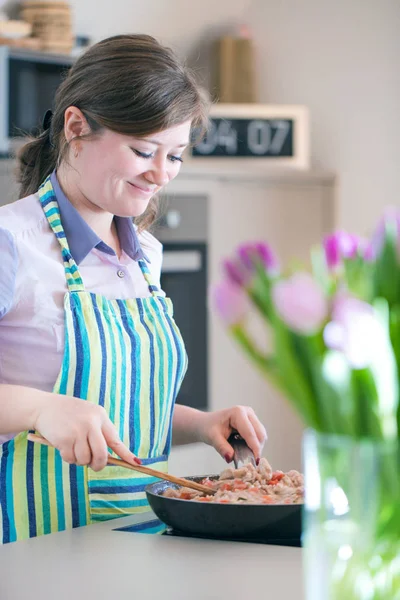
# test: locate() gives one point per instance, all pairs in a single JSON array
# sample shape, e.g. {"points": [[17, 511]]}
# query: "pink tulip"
{"points": [[354, 330], [300, 303], [231, 302]]}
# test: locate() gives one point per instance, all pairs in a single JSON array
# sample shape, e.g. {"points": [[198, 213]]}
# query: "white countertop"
{"points": [[97, 563]]}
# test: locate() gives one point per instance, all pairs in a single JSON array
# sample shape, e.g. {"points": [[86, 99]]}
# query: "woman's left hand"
{"points": [[216, 427]]}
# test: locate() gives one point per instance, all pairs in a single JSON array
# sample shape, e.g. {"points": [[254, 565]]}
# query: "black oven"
{"points": [[183, 231], [28, 82]]}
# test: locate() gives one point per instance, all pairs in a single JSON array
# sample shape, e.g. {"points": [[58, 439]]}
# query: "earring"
{"points": [[76, 151]]}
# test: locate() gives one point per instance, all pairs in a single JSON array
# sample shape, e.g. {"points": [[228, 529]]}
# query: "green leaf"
{"points": [[296, 381], [384, 371], [359, 277], [336, 372], [395, 339], [367, 402], [387, 272], [260, 290], [321, 272], [266, 364]]}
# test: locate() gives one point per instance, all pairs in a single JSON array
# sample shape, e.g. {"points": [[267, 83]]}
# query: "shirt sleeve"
{"points": [[8, 270]]}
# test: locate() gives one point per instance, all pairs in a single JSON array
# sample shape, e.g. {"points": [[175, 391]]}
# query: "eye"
{"points": [[176, 159], [142, 154]]}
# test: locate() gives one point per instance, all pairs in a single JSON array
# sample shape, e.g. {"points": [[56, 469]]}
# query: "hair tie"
{"points": [[46, 124], [47, 119]]}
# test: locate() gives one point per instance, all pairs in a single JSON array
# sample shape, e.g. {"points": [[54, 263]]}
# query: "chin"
{"points": [[131, 208]]}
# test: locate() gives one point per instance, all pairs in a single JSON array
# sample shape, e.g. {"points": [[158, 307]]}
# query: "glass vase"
{"points": [[351, 530]]}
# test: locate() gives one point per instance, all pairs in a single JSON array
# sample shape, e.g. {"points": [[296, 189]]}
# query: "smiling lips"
{"points": [[143, 190]]}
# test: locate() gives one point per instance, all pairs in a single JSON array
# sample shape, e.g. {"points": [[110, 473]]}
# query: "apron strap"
{"points": [[153, 289], [49, 204]]}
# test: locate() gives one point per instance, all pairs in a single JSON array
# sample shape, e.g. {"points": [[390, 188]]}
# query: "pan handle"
{"points": [[242, 453]]}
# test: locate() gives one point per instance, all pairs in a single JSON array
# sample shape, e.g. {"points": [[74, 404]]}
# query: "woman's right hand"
{"points": [[81, 431]]}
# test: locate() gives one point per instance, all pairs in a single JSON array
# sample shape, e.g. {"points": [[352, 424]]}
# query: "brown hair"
{"points": [[129, 84]]}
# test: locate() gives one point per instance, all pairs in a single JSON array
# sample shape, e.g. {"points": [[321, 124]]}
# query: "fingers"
{"points": [[99, 450], [114, 442], [67, 454], [259, 428], [249, 427], [82, 451], [222, 446]]}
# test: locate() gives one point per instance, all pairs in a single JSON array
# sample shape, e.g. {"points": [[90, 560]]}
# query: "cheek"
{"points": [[173, 171], [93, 163], [112, 165]]}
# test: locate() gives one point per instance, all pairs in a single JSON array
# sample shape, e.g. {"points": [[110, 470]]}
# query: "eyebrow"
{"points": [[157, 143]]}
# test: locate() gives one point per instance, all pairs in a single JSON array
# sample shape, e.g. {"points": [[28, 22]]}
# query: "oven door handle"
{"points": [[181, 261]]}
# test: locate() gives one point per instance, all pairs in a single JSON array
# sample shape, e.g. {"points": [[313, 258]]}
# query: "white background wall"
{"points": [[340, 58], [181, 23]]}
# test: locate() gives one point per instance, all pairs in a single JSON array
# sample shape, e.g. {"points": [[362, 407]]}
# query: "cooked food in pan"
{"points": [[248, 484]]}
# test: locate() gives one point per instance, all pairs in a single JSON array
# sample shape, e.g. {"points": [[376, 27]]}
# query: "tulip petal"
{"points": [[300, 303], [230, 301]]}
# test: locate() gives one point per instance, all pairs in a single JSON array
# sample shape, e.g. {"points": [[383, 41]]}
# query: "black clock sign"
{"points": [[263, 138]]}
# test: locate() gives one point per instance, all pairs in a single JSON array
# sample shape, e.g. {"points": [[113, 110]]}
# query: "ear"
{"points": [[75, 123]]}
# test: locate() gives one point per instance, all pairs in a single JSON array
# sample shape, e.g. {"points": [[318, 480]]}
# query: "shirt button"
{"points": [[121, 274]]}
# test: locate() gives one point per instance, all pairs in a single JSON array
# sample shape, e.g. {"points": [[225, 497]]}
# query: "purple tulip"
{"points": [[249, 253], [241, 270], [354, 330], [231, 302], [340, 245], [236, 273], [300, 303]]}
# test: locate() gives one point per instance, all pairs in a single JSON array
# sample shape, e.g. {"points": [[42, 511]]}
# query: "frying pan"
{"points": [[213, 520], [275, 522]]}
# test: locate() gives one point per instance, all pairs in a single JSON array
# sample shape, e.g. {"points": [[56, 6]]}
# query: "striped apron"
{"points": [[125, 355]]}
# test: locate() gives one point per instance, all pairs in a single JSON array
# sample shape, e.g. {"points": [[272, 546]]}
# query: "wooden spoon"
{"points": [[142, 469]]}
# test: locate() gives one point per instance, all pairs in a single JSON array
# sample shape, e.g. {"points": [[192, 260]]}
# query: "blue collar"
{"points": [[82, 239]]}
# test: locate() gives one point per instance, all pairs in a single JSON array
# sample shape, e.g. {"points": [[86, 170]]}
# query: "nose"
{"points": [[158, 173]]}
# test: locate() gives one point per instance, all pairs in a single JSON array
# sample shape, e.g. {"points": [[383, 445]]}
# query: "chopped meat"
{"points": [[265, 469], [250, 485], [171, 493], [227, 473], [296, 477]]}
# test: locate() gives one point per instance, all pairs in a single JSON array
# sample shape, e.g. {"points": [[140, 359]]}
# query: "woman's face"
{"points": [[119, 174]]}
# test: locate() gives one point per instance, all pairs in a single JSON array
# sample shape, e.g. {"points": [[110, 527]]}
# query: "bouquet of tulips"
{"points": [[335, 328], [335, 331]]}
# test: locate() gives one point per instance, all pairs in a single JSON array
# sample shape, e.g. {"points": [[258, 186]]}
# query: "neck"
{"points": [[101, 221]]}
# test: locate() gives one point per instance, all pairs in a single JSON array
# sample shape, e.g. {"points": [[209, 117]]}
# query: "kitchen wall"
{"points": [[178, 22], [341, 59], [184, 24]]}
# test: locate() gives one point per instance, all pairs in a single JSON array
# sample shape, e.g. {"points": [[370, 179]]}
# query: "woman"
{"points": [[80, 302]]}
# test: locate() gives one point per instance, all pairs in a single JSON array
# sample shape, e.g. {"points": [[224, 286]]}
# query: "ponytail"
{"points": [[36, 160]]}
